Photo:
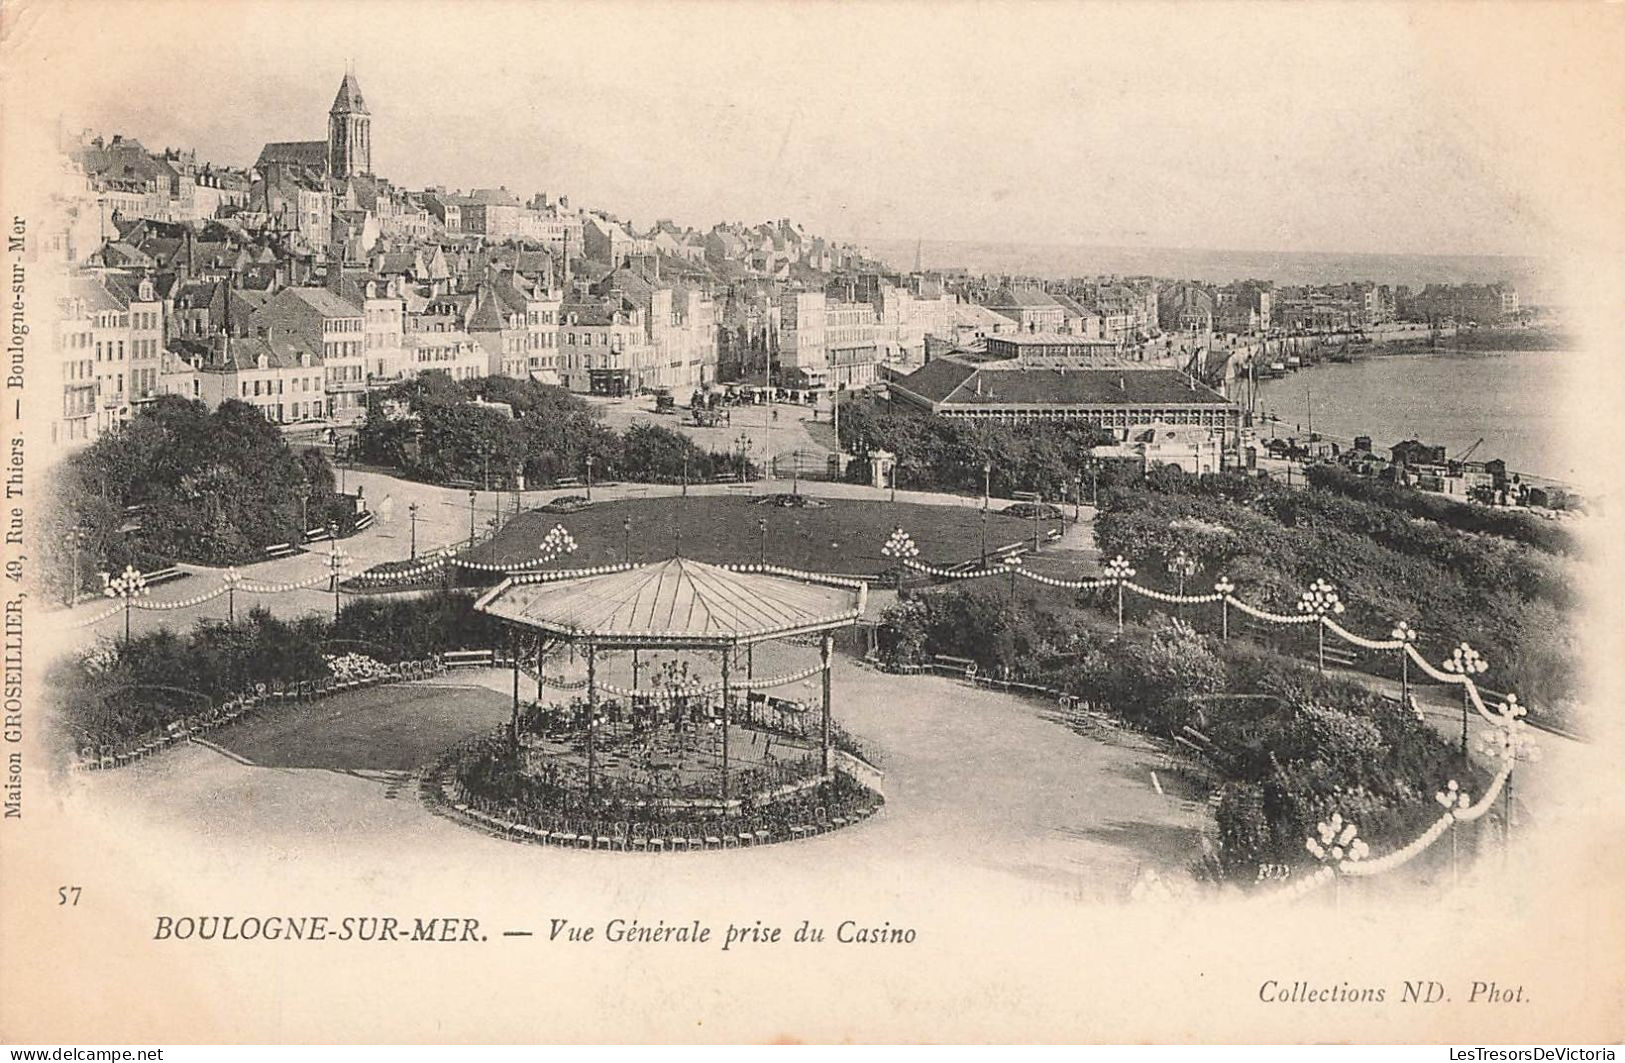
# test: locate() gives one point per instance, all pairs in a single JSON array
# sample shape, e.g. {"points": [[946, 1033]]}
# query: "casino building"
{"points": [[1119, 398]]}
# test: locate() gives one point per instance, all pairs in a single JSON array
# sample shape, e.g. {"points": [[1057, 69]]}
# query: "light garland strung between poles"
{"points": [[1341, 851]]}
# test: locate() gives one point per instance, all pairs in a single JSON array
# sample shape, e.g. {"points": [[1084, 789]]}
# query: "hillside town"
{"points": [[306, 285]]}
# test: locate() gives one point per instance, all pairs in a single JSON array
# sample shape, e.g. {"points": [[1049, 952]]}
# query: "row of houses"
{"points": [[314, 348]]}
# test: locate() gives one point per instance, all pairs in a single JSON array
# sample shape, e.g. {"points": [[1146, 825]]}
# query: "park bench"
{"points": [[279, 551], [961, 664], [163, 575], [454, 658]]}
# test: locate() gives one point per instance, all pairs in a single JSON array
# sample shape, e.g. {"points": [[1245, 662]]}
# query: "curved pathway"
{"points": [[974, 780]]}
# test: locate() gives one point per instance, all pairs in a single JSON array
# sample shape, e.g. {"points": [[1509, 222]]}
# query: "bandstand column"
{"points": [[592, 713], [726, 697], [825, 649], [539, 645]]}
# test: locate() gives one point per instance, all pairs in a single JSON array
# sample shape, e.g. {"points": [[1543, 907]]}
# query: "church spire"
{"points": [[349, 130]]}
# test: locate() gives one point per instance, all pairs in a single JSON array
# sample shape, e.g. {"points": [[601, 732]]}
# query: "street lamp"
{"points": [[589, 477], [128, 586], [304, 509], [472, 497], [1012, 565], [900, 548], [336, 557], [1182, 565], [231, 577], [1318, 600], [626, 540], [987, 493], [1224, 589], [1509, 742], [1405, 635], [1338, 842], [1454, 800], [1465, 662], [76, 540], [761, 528], [412, 511], [1119, 572]]}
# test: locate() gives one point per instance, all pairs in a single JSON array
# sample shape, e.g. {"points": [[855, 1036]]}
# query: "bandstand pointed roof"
{"points": [[676, 603]]}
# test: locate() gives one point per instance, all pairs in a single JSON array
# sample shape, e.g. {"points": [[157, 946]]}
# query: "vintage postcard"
{"points": [[700, 522]]}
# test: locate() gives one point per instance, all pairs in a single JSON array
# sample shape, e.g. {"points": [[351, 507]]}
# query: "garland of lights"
{"points": [[1508, 743], [1317, 605]]}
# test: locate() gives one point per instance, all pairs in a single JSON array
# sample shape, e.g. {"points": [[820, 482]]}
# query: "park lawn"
{"points": [[396, 727], [844, 536]]}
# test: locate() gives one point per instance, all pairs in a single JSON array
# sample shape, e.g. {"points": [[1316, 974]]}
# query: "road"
{"points": [[442, 518], [976, 782]]}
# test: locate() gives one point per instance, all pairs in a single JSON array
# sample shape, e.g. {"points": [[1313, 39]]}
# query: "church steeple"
{"points": [[349, 131]]}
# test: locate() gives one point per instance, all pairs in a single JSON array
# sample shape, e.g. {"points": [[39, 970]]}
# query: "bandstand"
{"points": [[690, 733]]}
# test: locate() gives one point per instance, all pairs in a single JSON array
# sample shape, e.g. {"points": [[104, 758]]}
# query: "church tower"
{"points": [[349, 132]]}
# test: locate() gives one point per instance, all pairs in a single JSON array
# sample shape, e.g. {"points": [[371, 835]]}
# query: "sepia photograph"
{"points": [[812, 522]]}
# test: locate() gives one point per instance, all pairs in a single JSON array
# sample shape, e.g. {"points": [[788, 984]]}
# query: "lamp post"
{"points": [[1338, 842], [987, 501], [1012, 564], [412, 512], [304, 509], [589, 477], [626, 540], [900, 548], [761, 529], [1406, 635], [1119, 572], [1454, 800], [1465, 662], [335, 564], [1319, 600], [76, 540], [1182, 565], [557, 541], [473, 496], [127, 586], [1509, 742], [1224, 589], [231, 577]]}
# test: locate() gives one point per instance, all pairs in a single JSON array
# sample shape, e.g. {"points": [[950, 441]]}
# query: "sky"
{"points": [[1314, 127]]}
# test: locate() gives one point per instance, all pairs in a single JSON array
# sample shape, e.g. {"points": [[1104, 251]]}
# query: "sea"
{"points": [[1530, 275], [1511, 400]]}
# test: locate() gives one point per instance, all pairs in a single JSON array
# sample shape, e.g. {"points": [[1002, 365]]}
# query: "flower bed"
{"points": [[481, 782]]}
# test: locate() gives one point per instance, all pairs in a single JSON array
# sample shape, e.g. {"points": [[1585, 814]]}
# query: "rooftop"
{"points": [[679, 602], [949, 382]]}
